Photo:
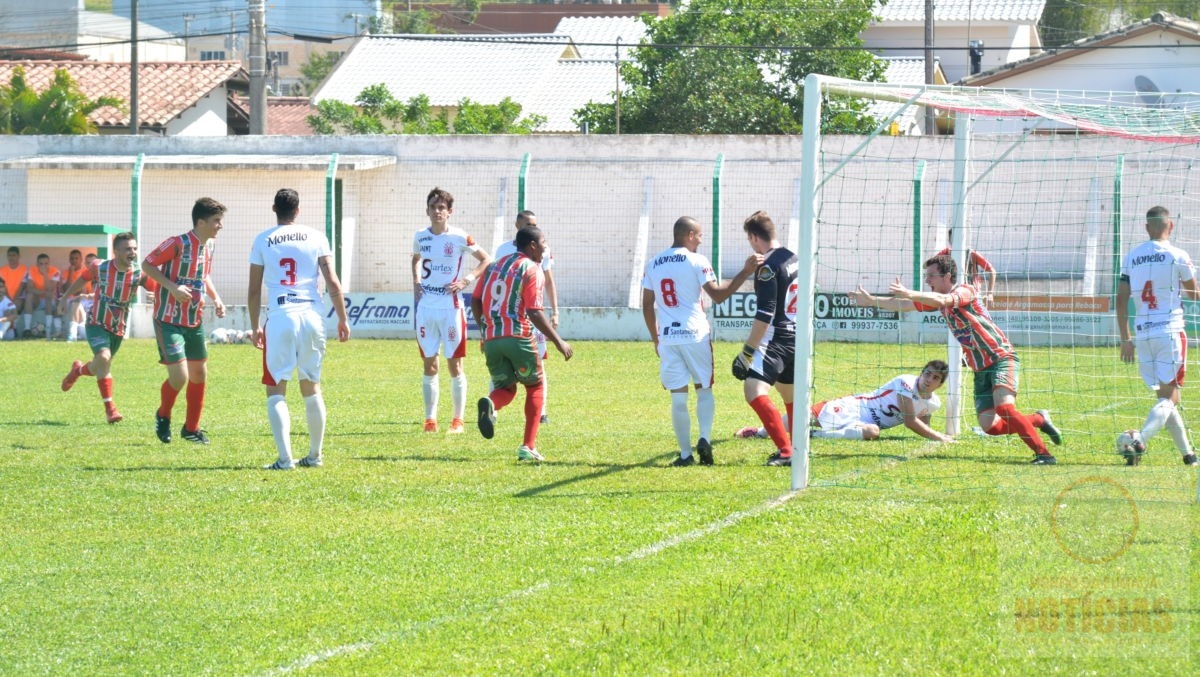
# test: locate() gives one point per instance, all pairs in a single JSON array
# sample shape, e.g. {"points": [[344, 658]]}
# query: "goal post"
{"points": [[1050, 186]]}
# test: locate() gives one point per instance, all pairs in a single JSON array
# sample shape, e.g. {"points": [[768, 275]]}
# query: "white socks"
{"points": [[1178, 432], [706, 407], [314, 411], [281, 426], [458, 395], [1157, 418], [682, 423], [429, 388]]}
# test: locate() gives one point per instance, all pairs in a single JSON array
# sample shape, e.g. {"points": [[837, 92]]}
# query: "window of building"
{"points": [[277, 58], [212, 55]]}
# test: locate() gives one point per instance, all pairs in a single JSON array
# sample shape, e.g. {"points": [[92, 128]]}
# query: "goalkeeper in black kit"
{"points": [[769, 356]]}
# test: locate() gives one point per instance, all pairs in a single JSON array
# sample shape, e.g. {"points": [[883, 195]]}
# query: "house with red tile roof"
{"points": [[189, 98]]}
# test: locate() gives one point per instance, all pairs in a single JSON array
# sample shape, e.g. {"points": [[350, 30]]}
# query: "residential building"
{"points": [[63, 25]]}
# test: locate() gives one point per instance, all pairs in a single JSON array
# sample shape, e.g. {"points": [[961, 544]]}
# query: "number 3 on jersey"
{"points": [[289, 272]]}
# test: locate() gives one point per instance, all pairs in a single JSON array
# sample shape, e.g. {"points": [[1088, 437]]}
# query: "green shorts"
{"points": [[100, 338], [511, 360], [176, 343], [1005, 372]]}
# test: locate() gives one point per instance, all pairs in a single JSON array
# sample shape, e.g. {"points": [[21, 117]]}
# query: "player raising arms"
{"points": [[115, 282], [987, 350], [673, 308], [768, 357], [289, 258], [1160, 273], [181, 266], [438, 281]]}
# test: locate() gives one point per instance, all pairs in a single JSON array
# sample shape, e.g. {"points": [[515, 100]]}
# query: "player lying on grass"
{"points": [[905, 400], [987, 350]]}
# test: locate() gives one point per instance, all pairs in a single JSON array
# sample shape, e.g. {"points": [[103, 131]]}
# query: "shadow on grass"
{"points": [[58, 424], [603, 471], [172, 468]]}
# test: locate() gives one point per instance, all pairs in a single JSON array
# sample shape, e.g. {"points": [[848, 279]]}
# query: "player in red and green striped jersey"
{"points": [[182, 266], [507, 304], [987, 350], [115, 282]]}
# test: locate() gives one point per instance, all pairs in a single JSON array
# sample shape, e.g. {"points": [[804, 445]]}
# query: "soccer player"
{"points": [[987, 350], [181, 267], [528, 218], [287, 258], [13, 274], [438, 280], [673, 308], [72, 312], [507, 303], [905, 400], [980, 271], [116, 282], [1158, 271], [41, 296], [768, 357]]}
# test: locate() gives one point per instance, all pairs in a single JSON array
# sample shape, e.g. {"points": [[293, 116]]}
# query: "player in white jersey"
{"points": [[288, 259], [673, 308], [528, 218], [1160, 273], [439, 278], [905, 400]]}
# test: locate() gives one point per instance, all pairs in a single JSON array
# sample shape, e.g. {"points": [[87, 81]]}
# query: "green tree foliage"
{"points": [[1065, 21], [314, 71], [737, 66], [376, 111], [60, 109]]}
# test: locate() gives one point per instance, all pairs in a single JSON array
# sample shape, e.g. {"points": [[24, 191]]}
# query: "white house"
{"points": [[548, 74], [1154, 61], [64, 25], [1006, 29]]}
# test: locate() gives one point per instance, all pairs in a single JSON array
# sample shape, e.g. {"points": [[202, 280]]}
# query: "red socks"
{"points": [[167, 396], [1016, 423], [534, 396], [769, 415], [195, 405], [502, 397]]}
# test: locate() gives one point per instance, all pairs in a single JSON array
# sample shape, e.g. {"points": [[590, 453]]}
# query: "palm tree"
{"points": [[60, 109]]}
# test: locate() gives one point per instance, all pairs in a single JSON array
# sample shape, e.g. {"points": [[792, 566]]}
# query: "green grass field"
{"points": [[433, 554]]}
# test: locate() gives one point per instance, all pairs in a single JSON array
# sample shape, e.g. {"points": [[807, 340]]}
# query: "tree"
{"points": [[1065, 21], [60, 109], [737, 66], [314, 71], [376, 111]]}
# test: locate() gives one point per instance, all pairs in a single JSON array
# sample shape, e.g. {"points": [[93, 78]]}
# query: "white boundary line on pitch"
{"points": [[641, 553]]}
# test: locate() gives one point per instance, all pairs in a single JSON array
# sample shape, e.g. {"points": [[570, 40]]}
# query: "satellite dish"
{"points": [[1147, 91]]}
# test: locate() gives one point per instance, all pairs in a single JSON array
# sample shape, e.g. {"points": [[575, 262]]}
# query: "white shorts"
{"points": [[443, 329], [1162, 359], [682, 364], [293, 342], [844, 412]]}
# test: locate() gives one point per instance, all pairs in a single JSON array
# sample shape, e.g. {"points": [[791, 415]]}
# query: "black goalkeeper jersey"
{"points": [[775, 291]]}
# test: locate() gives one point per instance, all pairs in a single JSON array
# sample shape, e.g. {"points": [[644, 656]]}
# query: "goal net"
{"points": [[1050, 187]]}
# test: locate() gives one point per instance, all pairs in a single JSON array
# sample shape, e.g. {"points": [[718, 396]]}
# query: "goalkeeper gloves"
{"points": [[741, 363]]}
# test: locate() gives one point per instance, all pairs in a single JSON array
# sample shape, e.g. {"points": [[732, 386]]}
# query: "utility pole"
{"points": [[258, 67], [133, 68], [930, 124], [187, 22]]}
